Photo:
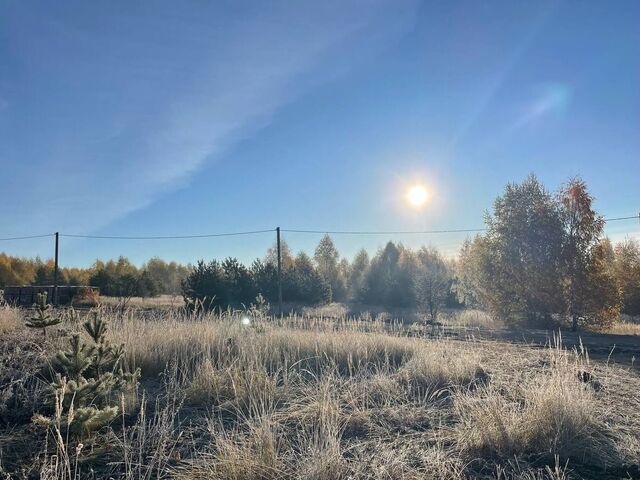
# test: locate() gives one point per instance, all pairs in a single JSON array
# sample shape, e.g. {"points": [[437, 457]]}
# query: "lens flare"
{"points": [[246, 321]]}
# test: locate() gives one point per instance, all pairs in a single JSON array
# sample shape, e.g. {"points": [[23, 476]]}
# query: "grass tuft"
{"points": [[552, 416]]}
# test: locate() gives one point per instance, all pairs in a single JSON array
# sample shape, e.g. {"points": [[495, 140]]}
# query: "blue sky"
{"points": [[169, 117]]}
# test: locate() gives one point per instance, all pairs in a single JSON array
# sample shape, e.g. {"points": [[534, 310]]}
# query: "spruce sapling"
{"points": [[86, 376], [43, 318]]}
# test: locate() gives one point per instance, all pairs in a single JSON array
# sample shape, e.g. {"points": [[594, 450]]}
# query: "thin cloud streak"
{"points": [[151, 132]]}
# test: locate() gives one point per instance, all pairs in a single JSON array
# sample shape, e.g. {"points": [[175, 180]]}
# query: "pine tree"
{"points": [[43, 318], [76, 360], [87, 375], [77, 406]]}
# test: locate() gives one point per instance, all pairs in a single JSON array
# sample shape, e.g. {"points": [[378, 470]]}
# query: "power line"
{"points": [[386, 232], [415, 232], [167, 237], [635, 217], [26, 237], [291, 230]]}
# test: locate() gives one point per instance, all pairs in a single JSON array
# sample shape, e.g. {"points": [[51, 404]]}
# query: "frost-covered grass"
{"points": [[318, 398]]}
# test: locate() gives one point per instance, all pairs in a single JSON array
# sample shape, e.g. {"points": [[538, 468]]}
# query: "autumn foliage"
{"points": [[544, 259]]}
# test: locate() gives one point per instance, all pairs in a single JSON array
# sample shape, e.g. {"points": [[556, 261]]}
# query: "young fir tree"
{"points": [[43, 318], [87, 378]]}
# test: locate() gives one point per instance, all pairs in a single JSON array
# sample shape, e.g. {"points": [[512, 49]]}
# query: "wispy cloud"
{"points": [[126, 105]]}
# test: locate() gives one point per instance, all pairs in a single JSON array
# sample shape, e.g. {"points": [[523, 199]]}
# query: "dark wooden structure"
{"points": [[25, 296]]}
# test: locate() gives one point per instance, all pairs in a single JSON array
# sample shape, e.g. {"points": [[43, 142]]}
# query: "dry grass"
{"points": [[224, 342], [318, 398], [159, 302], [441, 365], [9, 319], [470, 318], [626, 326], [551, 415]]}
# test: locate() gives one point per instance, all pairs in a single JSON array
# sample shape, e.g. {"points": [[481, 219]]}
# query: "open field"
{"points": [[158, 302], [321, 240], [312, 398]]}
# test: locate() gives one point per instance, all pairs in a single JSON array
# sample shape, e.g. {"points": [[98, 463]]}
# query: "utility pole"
{"points": [[279, 271], [55, 274]]}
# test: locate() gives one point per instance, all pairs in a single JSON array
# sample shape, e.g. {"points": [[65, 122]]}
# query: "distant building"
{"points": [[25, 295]]}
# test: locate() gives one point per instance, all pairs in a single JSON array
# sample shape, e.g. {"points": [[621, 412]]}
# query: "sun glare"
{"points": [[417, 195]]}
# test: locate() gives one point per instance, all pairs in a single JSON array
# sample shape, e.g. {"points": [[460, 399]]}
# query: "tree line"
{"points": [[543, 260], [114, 277], [395, 277]]}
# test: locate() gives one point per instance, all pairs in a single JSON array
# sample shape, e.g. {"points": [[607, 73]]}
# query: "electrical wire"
{"points": [[287, 230], [622, 218], [168, 237], [387, 232], [415, 232], [27, 237]]}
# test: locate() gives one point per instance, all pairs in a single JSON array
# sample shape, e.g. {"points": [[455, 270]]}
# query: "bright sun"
{"points": [[417, 195]]}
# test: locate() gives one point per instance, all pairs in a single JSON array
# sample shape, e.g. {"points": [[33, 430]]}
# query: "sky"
{"points": [[163, 118]]}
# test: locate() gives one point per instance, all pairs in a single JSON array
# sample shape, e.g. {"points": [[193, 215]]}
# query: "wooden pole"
{"points": [[279, 271], [55, 274]]}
